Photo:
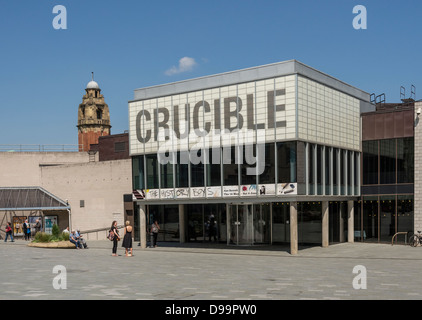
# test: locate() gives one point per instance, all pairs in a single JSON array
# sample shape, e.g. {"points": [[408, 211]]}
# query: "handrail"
{"points": [[40, 147], [100, 229], [405, 239], [93, 231]]}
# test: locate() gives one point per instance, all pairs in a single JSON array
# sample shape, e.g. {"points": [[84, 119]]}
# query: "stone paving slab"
{"points": [[211, 272]]}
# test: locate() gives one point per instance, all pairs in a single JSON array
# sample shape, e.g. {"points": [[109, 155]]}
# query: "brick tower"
{"points": [[93, 117]]}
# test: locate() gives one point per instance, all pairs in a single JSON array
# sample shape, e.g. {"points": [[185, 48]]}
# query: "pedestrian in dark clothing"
{"points": [[127, 240], [27, 230], [155, 228], [116, 238]]}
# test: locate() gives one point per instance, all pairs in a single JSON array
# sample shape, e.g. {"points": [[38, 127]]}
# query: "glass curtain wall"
{"points": [[331, 171], [382, 217], [182, 170], [310, 223], [387, 218], [138, 173], [280, 223], [405, 216], [168, 219], [389, 161], [370, 219]]}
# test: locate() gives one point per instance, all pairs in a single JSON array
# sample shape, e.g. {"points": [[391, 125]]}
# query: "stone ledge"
{"points": [[57, 245]]}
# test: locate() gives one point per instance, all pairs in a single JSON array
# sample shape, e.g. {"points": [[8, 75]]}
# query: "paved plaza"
{"points": [[211, 272]]}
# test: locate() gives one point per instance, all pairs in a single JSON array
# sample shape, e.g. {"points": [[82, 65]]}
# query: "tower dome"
{"points": [[92, 85]]}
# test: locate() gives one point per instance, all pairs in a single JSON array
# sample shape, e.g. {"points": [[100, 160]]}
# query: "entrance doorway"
{"points": [[249, 224]]}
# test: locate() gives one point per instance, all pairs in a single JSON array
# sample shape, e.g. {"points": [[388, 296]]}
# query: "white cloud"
{"points": [[185, 64]]}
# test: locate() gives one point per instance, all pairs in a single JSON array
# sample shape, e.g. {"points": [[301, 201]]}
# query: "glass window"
{"points": [[230, 168], [213, 167], [286, 158], [327, 170], [197, 171], [342, 172], [166, 172], [405, 216], [405, 160], [319, 166], [311, 179], [152, 171], [349, 171], [357, 213], [357, 173], [138, 173], [387, 218], [370, 162], [281, 227], [268, 175], [387, 161], [168, 219], [195, 224], [182, 169], [370, 219], [248, 160], [335, 170], [310, 222]]}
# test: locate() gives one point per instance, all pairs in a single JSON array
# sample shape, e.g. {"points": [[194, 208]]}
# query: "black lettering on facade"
{"points": [[228, 114], [207, 125], [177, 122], [161, 124], [139, 136], [250, 114], [272, 110]]}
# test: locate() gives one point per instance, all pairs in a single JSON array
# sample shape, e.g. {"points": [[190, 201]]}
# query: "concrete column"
{"points": [[293, 228], [325, 225], [350, 222], [142, 226], [181, 223]]}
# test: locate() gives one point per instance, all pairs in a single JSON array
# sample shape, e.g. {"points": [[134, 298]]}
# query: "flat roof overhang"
{"points": [[285, 68], [309, 198], [30, 199]]}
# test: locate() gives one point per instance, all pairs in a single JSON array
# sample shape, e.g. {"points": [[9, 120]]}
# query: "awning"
{"points": [[28, 199], [138, 195]]}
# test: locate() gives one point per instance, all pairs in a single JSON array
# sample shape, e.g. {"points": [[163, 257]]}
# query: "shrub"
{"points": [[56, 231], [64, 236], [43, 237]]}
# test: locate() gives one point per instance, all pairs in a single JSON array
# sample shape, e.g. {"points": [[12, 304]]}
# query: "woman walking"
{"points": [[127, 240], [116, 237]]}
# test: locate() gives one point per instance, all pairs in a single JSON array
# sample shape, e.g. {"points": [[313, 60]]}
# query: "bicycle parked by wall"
{"points": [[416, 239]]}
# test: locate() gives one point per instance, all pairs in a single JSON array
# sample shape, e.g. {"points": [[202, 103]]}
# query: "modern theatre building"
{"points": [[264, 155]]}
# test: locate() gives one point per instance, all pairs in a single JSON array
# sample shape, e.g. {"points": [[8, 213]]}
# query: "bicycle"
{"points": [[415, 239]]}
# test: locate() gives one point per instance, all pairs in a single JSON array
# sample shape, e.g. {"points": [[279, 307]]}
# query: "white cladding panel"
{"points": [[222, 116], [274, 109], [327, 116]]}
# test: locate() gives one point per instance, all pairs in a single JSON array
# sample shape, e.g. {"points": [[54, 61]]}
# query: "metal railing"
{"points": [[395, 236], [87, 233], [39, 147]]}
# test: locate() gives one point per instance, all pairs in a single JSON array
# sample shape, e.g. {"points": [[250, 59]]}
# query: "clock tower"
{"points": [[93, 117]]}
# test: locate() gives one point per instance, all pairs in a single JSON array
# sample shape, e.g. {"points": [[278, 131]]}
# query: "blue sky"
{"points": [[132, 44]]}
